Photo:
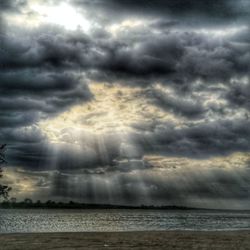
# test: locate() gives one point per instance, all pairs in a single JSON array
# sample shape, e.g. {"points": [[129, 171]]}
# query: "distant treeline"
{"points": [[28, 203]]}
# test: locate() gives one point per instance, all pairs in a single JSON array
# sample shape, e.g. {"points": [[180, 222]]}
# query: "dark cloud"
{"points": [[204, 139], [239, 95], [197, 50], [176, 57], [38, 94], [179, 187], [182, 105], [93, 154], [96, 154], [13, 6], [214, 10], [46, 47], [179, 57]]}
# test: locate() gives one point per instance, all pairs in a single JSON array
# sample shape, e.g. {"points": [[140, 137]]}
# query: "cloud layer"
{"points": [[87, 109]]}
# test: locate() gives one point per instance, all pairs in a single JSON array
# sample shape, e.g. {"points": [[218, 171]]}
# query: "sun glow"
{"points": [[63, 15]]}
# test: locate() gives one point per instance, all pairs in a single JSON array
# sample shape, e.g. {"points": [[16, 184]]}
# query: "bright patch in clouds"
{"points": [[126, 25], [222, 32], [63, 15], [114, 108], [171, 124]]}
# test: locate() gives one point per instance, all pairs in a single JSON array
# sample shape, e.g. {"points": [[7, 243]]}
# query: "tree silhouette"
{"points": [[28, 201], [4, 190]]}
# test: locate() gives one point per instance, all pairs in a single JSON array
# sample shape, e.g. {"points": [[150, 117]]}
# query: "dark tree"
{"points": [[4, 190], [28, 201]]}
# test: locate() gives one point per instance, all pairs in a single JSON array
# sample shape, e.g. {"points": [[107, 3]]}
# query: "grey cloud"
{"points": [[178, 187], [45, 71], [187, 106], [202, 140], [243, 36], [102, 154], [38, 94], [212, 11], [176, 57], [47, 46], [13, 5], [239, 94], [27, 76]]}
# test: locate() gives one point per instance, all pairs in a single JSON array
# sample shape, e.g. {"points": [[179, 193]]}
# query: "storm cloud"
{"points": [[91, 103]]}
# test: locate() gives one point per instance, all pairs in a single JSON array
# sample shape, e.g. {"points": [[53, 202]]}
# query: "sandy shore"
{"points": [[127, 240]]}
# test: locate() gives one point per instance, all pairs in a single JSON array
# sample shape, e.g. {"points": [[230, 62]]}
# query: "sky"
{"points": [[127, 102]]}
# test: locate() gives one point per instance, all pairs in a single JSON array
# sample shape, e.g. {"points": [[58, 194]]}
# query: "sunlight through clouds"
{"points": [[126, 102], [114, 108], [39, 13], [63, 14]]}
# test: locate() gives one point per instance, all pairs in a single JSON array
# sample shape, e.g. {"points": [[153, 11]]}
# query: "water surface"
{"points": [[54, 220]]}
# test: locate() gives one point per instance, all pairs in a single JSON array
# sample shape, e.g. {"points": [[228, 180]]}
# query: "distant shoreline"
{"points": [[224, 240], [75, 205]]}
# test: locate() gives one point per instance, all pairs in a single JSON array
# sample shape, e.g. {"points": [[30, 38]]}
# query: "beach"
{"points": [[127, 240]]}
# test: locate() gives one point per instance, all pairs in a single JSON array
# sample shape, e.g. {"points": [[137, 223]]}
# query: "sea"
{"points": [[109, 220]]}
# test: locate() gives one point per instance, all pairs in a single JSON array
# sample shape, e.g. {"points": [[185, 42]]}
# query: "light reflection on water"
{"points": [[34, 220]]}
